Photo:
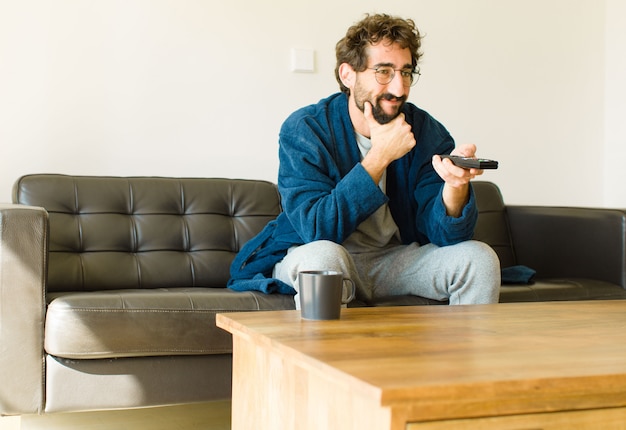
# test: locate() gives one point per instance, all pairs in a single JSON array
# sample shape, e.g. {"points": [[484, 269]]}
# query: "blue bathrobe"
{"points": [[326, 193]]}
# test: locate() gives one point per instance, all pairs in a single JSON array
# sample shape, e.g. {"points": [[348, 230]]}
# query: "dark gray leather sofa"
{"points": [[109, 286], [578, 253]]}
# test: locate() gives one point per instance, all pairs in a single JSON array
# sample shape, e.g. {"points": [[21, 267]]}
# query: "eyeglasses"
{"points": [[385, 74]]}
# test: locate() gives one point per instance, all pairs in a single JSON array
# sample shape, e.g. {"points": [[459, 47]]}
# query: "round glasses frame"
{"points": [[385, 74]]}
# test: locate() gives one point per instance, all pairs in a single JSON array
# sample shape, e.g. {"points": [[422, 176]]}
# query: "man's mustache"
{"points": [[391, 97]]}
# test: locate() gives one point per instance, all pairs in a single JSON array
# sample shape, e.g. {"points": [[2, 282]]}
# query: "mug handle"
{"points": [[352, 291]]}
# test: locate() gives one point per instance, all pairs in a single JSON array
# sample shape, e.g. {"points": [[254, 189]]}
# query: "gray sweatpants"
{"points": [[465, 273]]}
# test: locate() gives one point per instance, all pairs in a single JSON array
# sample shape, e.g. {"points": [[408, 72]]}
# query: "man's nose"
{"points": [[397, 87]]}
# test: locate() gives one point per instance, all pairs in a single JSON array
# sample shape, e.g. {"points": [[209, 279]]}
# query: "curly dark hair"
{"points": [[371, 30]]}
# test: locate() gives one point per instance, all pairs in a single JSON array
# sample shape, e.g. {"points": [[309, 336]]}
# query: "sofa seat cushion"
{"points": [[155, 322], [561, 289]]}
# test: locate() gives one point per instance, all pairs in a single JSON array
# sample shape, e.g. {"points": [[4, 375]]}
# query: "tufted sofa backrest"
{"points": [[146, 232]]}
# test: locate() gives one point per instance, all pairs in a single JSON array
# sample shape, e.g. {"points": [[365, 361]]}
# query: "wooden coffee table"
{"points": [[505, 366]]}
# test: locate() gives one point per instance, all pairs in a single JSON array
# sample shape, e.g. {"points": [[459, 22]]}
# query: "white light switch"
{"points": [[302, 60]]}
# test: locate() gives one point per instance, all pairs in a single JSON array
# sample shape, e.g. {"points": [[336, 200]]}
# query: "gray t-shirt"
{"points": [[379, 230]]}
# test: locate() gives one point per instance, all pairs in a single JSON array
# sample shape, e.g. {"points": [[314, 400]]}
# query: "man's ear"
{"points": [[347, 75]]}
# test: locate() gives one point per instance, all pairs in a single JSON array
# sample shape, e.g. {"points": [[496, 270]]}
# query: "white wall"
{"points": [[615, 108], [200, 88]]}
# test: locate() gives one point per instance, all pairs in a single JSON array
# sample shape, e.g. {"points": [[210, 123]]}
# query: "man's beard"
{"points": [[360, 97]]}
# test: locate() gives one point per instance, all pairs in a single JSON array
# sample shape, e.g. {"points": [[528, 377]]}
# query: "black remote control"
{"points": [[469, 163]]}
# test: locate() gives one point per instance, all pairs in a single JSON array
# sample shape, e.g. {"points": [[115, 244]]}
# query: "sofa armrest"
{"points": [[570, 242], [23, 265]]}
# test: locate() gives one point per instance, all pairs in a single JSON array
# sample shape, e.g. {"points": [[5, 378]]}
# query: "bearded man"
{"points": [[365, 191]]}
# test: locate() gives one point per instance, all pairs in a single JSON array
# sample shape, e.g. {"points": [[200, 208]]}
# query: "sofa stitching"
{"points": [[186, 233], [133, 226], [68, 354], [128, 310], [79, 227], [256, 300]]}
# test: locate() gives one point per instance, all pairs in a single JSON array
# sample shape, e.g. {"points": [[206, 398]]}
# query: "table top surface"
{"points": [[537, 350]]}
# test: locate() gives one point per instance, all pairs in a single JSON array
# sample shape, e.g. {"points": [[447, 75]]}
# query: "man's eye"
{"points": [[406, 73], [384, 72]]}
